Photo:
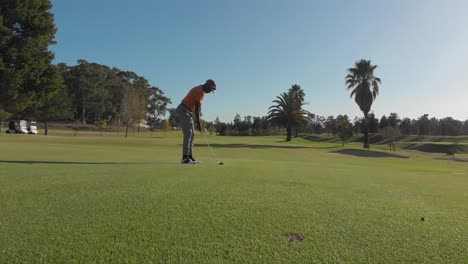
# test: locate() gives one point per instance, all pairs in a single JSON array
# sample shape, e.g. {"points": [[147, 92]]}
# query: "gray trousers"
{"points": [[186, 121]]}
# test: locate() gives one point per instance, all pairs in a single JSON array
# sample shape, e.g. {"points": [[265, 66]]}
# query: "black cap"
{"points": [[210, 83]]}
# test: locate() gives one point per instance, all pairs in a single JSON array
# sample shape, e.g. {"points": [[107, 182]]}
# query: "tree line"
{"points": [[332, 125], [100, 93]]}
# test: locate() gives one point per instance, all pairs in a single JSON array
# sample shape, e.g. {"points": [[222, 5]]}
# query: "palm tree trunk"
{"points": [[288, 132], [366, 132]]}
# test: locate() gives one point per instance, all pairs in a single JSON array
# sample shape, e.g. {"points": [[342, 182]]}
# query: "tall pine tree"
{"points": [[26, 30]]}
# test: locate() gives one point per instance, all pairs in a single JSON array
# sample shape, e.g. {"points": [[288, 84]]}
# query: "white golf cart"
{"points": [[32, 128], [14, 127], [23, 127]]}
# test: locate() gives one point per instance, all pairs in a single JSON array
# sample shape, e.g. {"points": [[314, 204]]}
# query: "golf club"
{"points": [[212, 152]]}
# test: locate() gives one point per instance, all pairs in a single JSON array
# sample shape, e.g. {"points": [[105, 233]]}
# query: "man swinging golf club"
{"points": [[190, 105]]}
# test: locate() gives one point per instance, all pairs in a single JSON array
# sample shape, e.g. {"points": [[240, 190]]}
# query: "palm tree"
{"points": [[298, 95], [364, 87], [288, 112]]}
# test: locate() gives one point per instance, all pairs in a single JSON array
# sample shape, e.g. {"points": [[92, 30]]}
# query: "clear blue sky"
{"points": [[256, 49]]}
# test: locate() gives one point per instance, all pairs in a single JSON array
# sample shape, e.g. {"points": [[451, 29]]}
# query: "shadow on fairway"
{"points": [[253, 146], [250, 146], [82, 162], [453, 159], [315, 147], [368, 153]]}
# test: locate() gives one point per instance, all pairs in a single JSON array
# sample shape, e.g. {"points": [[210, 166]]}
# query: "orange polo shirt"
{"points": [[196, 94]]}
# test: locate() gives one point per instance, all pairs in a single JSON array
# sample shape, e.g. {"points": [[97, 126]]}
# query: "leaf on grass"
{"points": [[293, 237]]}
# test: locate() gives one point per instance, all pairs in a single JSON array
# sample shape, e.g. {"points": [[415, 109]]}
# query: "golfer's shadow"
{"points": [[82, 162]]}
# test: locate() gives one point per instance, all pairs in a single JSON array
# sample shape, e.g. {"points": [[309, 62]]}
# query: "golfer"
{"points": [[189, 106]]}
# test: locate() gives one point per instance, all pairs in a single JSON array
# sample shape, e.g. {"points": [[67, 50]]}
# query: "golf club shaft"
{"points": [[212, 152]]}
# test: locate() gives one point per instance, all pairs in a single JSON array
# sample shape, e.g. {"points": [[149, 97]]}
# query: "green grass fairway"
{"points": [[107, 199]]}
